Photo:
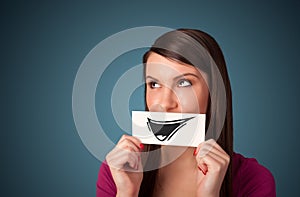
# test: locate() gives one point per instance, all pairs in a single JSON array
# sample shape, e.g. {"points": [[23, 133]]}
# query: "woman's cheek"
{"points": [[153, 101], [188, 101], [149, 99]]}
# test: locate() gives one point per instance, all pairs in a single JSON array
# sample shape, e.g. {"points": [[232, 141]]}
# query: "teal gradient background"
{"points": [[43, 44]]}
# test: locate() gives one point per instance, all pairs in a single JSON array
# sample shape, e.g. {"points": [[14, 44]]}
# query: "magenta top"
{"points": [[249, 179]]}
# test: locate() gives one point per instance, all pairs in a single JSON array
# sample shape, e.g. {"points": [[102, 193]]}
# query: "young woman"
{"points": [[185, 72]]}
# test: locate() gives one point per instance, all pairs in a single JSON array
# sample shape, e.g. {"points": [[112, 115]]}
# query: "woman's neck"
{"points": [[177, 157], [177, 176]]}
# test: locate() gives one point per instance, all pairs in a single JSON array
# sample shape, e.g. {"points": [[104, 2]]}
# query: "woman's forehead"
{"points": [[157, 64]]}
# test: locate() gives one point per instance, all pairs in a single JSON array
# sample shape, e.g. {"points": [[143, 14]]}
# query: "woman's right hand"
{"points": [[125, 165]]}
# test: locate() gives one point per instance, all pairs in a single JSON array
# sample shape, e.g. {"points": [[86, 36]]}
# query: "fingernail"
{"points": [[195, 151], [202, 170], [142, 146]]}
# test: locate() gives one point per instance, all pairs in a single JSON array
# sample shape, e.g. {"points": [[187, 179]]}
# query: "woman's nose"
{"points": [[167, 101]]}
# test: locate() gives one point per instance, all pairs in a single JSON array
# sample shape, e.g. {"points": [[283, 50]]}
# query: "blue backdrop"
{"points": [[44, 43]]}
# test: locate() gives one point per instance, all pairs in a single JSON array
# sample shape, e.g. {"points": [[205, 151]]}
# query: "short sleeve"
{"points": [[253, 180], [105, 184]]}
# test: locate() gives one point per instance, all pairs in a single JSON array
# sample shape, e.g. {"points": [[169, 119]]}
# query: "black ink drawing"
{"points": [[164, 130]]}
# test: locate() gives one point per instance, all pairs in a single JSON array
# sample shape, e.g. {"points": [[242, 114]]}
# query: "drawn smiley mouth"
{"points": [[165, 130]]}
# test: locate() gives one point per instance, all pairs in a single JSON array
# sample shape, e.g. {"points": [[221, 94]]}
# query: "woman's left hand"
{"points": [[212, 162]]}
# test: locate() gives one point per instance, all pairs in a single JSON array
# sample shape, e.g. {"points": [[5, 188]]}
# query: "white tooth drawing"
{"points": [[165, 130]]}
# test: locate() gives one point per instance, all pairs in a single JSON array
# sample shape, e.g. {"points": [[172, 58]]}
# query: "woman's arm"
{"points": [[212, 162], [105, 186], [122, 173]]}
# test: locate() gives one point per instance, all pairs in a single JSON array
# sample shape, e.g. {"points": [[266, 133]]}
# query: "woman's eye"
{"points": [[154, 84], [184, 83]]}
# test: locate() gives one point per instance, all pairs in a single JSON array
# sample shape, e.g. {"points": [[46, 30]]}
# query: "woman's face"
{"points": [[174, 87]]}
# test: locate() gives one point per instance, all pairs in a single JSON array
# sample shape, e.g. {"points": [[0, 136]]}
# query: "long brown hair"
{"points": [[225, 137]]}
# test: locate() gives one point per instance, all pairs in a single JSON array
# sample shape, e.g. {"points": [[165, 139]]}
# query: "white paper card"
{"points": [[176, 129]]}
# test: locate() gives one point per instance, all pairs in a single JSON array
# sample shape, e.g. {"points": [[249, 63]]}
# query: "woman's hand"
{"points": [[126, 167], [212, 163]]}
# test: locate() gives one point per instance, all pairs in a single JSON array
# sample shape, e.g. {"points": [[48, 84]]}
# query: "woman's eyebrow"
{"points": [[185, 74], [175, 78], [149, 77]]}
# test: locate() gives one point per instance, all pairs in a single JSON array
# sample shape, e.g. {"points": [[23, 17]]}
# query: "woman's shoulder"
{"points": [[251, 178], [105, 183]]}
